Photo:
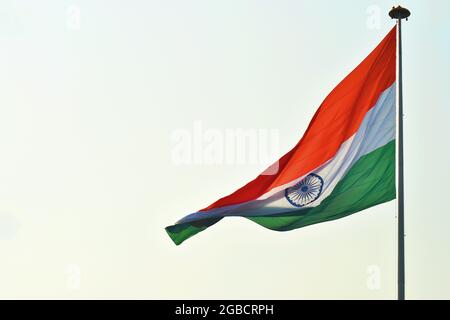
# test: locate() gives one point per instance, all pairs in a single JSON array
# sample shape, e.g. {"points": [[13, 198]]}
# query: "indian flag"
{"points": [[344, 163]]}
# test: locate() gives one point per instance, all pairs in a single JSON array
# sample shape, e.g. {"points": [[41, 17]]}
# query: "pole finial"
{"points": [[399, 13]]}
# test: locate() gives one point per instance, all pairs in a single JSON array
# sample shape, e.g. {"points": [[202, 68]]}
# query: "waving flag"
{"points": [[344, 163]]}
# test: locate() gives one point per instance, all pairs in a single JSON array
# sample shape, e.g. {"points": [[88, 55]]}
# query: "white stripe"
{"points": [[376, 130]]}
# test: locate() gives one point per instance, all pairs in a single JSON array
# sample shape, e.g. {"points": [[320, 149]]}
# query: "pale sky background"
{"points": [[92, 93]]}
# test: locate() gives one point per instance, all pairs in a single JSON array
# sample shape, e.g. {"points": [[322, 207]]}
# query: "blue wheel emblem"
{"points": [[305, 191]]}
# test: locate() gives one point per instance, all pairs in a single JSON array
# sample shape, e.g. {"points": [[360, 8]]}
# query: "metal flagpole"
{"points": [[400, 13]]}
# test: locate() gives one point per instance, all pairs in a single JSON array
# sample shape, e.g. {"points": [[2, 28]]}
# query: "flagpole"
{"points": [[400, 13]]}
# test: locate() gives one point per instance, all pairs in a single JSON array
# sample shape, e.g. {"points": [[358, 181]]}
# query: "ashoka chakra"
{"points": [[305, 191]]}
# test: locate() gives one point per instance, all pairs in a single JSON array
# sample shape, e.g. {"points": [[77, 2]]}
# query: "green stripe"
{"points": [[180, 232], [370, 181]]}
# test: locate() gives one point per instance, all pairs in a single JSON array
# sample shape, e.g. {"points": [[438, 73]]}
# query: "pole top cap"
{"points": [[399, 13]]}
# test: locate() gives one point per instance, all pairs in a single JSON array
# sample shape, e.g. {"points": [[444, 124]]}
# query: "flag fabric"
{"points": [[344, 163]]}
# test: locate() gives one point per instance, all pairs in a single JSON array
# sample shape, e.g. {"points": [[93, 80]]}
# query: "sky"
{"points": [[117, 119]]}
